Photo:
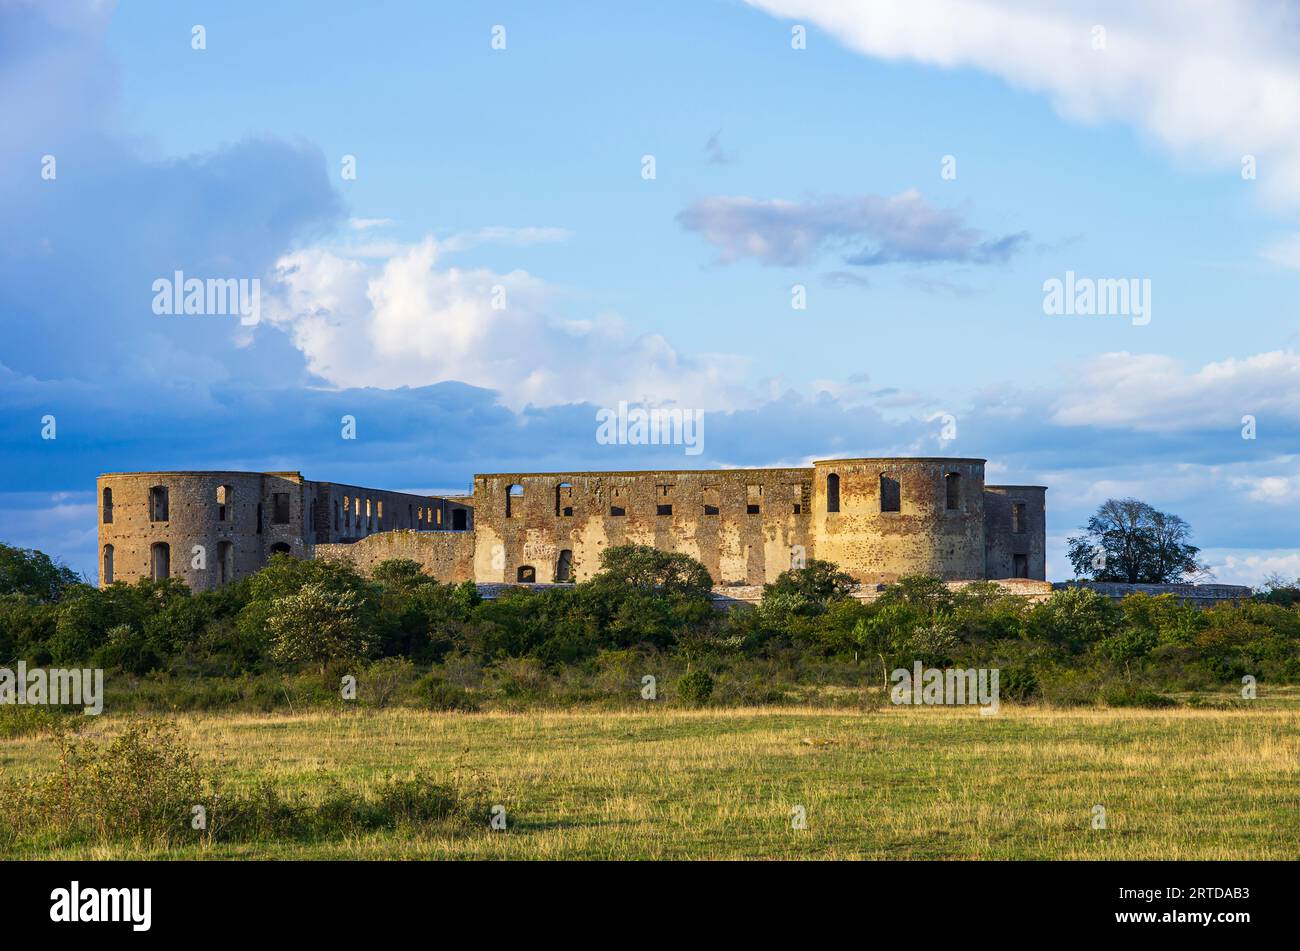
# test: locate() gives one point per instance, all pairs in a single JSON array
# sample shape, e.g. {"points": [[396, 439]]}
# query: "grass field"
{"points": [[673, 784]]}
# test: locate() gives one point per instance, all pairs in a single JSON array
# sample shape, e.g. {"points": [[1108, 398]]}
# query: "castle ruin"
{"points": [[878, 519]]}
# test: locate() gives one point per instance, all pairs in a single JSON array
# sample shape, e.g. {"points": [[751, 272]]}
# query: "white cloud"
{"points": [[1154, 393], [1213, 80], [1238, 566], [1271, 490], [411, 321]]}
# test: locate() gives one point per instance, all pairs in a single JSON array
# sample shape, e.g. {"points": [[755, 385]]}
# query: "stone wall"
{"points": [[742, 524], [221, 525], [1015, 539], [1033, 591], [1201, 595], [198, 538], [447, 556], [878, 519], [932, 532]]}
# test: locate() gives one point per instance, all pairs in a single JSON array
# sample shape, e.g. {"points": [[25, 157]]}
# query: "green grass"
{"points": [[672, 784]]}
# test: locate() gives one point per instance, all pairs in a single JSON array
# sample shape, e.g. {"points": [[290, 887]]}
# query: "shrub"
{"points": [[384, 678], [435, 694], [18, 721], [319, 624], [1074, 618], [695, 688], [809, 589], [520, 676], [1017, 683], [142, 786], [1131, 695]]}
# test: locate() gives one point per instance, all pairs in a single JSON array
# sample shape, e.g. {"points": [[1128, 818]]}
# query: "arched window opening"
{"points": [[225, 495], [526, 574], [952, 491], [106, 573], [225, 562], [891, 496], [160, 561], [158, 507], [108, 506], [563, 499], [513, 508], [832, 493], [281, 548], [564, 567]]}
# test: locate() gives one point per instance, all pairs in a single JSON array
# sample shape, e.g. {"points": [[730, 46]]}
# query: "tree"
{"points": [[318, 623], [33, 573], [811, 588], [648, 568], [1128, 540]]}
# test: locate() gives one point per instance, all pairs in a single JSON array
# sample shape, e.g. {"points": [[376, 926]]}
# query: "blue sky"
{"points": [[521, 169]]}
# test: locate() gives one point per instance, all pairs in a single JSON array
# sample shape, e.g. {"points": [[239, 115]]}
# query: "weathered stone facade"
{"points": [[879, 519], [213, 527], [447, 556]]}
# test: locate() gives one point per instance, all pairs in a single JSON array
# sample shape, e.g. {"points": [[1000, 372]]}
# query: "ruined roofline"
{"points": [[965, 460], [639, 472], [820, 462], [991, 485], [203, 472]]}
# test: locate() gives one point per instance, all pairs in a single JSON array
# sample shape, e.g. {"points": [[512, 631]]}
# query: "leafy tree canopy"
{"points": [[1128, 540]]}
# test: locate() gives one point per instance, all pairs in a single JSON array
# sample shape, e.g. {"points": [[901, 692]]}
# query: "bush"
{"points": [[435, 694], [521, 677], [142, 788], [695, 688], [319, 624], [1074, 618], [1017, 683], [1130, 695], [384, 678]]}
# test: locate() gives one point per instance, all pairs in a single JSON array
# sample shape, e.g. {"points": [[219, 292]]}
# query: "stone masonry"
{"points": [[878, 519]]}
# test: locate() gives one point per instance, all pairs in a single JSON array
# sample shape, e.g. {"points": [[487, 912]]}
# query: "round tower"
{"points": [[883, 519]]}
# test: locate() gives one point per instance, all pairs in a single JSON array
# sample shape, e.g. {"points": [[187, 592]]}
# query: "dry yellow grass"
{"points": [[893, 783]]}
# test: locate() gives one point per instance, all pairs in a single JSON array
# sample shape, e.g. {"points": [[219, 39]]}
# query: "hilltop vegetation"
{"points": [[287, 634]]}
